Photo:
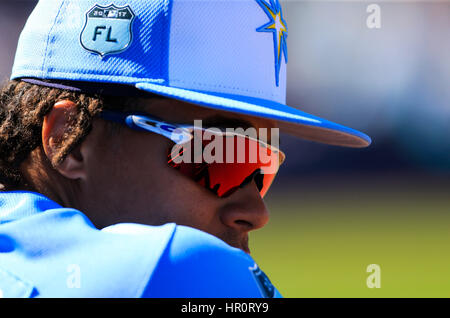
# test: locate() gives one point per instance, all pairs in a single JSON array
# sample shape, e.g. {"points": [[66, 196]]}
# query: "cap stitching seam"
{"points": [[133, 80], [168, 5], [225, 86], [48, 38]]}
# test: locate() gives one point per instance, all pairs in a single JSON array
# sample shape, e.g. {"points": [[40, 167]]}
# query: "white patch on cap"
{"points": [[107, 30]]}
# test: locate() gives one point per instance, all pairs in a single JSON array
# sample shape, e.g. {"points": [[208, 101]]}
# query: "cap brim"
{"points": [[289, 119]]}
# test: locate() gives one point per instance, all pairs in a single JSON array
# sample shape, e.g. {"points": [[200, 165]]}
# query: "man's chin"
{"points": [[233, 240], [246, 250], [243, 245]]}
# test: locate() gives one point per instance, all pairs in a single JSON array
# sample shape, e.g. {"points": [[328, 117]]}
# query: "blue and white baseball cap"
{"points": [[229, 55]]}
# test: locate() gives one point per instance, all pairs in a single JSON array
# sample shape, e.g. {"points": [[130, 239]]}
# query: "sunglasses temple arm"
{"points": [[113, 116], [120, 118]]}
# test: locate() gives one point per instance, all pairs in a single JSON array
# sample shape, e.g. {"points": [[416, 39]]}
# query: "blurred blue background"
{"points": [[386, 204]]}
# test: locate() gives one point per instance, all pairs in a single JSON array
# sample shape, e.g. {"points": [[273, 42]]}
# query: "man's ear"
{"points": [[55, 127]]}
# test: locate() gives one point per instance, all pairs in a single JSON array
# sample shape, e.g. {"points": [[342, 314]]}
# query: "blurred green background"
{"points": [[322, 236]]}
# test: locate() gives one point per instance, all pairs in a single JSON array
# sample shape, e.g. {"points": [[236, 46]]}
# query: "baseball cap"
{"points": [[229, 55]]}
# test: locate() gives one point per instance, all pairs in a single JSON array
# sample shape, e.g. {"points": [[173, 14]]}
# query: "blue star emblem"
{"points": [[277, 25]]}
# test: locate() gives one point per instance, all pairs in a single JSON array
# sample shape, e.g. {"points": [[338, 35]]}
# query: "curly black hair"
{"points": [[23, 107]]}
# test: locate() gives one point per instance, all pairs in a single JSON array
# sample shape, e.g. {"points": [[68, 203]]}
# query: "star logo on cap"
{"points": [[277, 25]]}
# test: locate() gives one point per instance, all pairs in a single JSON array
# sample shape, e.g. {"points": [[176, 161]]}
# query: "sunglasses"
{"points": [[220, 161]]}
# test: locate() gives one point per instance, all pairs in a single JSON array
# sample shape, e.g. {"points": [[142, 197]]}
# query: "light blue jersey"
{"points": [[50, 251]]}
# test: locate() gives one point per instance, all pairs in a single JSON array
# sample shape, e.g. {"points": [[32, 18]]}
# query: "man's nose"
{"points": [[245, 210]]}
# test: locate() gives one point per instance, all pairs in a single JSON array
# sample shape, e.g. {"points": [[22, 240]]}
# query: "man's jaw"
{"points": [[240, 243], [244, 245]]}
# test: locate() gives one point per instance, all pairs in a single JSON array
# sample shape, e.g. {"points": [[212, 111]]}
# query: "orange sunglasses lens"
{"points": [[228, 164]]}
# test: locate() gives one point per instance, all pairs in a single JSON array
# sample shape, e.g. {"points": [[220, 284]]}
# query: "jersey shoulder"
{"points": [[197, 264]]}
